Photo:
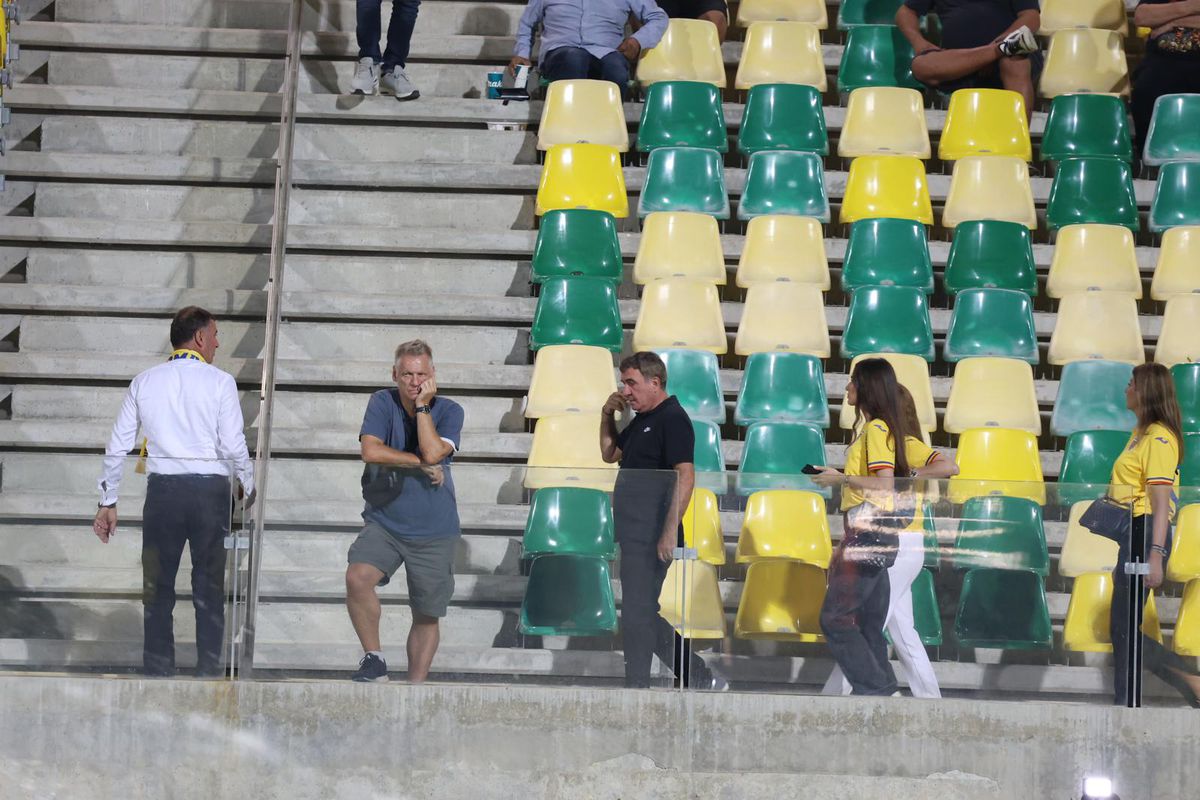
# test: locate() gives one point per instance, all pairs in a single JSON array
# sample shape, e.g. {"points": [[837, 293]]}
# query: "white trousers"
{"points": [[902, 629]]}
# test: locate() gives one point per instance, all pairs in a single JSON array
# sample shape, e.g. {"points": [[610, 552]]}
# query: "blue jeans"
{"points": [[400, 29], [573, 63]]}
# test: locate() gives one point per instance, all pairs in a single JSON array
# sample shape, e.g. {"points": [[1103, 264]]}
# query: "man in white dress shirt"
{"points": [[190, 416]]}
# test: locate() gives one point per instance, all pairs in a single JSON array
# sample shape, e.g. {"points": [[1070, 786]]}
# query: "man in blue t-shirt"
{"points": [[408, 439]]}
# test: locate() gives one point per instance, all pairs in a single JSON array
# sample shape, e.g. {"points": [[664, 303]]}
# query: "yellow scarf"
{"points": [[176, 355]]}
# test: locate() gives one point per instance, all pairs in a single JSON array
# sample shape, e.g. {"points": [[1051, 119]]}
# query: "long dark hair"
{"points": [[879, 398], [1154, 400]]}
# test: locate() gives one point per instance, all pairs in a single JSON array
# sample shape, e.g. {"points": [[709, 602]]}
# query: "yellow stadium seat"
{"points": [[884, 120], [702, 527], [785, 523], [992, 393], [1085, 60], [887, 186], [1184, 563], [1087, 628], [583, 176], [679, 244], [1178, 268], [690, 600], [783, 248], [1097, 325], [781, 601], [990, 187], [1179, 340], [810, 11], [688, 51], [1059, 15], [1084, 551], [680, 312], [1187, 624], [997, 461], [1094, 257], [566, 452], [913, 373], [781, 52], [583, 111], [783, 316], [985, 122], [570, 379]]}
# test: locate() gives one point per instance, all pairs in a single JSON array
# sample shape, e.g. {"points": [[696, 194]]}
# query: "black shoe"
{"points": [[372, 669]]}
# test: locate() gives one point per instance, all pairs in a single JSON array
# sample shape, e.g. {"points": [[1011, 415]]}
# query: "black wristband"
{"points": [[423, 409]]}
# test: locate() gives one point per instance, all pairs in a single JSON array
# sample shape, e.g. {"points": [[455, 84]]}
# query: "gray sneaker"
{"points": [[397, 83], [1018, 43], [366, 77]]}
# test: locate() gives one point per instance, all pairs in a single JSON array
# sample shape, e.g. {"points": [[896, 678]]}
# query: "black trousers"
{"points": [[1156, 75], [852, 618], [179, 510]]}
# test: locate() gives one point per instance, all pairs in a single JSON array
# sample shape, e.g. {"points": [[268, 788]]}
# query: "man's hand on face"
{"points": [[630, 48], [615, 404], [426, 392]]}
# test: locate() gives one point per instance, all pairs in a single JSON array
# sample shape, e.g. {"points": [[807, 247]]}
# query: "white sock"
{"points": [[378, 654]]}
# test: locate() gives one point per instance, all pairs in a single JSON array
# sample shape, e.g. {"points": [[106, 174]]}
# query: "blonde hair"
{"points": [[413, 347]]}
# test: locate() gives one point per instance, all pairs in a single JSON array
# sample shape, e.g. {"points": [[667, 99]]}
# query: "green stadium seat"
{"points": [[991, 254], [852, 13], [682, 114], [782, 387], [1091, 396], [684, 179], [1092, 190], [577, 311], [1174, 130], [570, 520], [932, 546], [568, 595], [710, 463], [991, 322], [926, 614], [1087, 125], [888, 319], [1003, 609], [784, 182], [783, 116], [1189, 468], [576, 241], [1001, 533], [887, 252], [1087, 464], [775, 452], [1187, 390], [1176, 196], [876, 55], [693, 377]]}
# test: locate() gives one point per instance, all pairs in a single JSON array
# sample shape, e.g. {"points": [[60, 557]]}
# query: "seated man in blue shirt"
{"points": [[586, 38]]}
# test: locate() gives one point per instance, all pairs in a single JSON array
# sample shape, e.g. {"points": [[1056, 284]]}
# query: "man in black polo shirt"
{"points": [[648, 509]]}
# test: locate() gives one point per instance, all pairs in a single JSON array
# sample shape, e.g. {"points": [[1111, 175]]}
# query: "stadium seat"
{"points": [[888, 319], [1178, 268], [1187, 390], [852, 13], [997, 461], [1060, 15], [688, 51], [1004, 609], [932, 545], [1187, 623], [1184, 563], [985, 122], [577, 311], [1088, 626], [679, 244], [884, 120], [991, 254], [1092, 190], [785, 524], [1179, 340], [690, 600], [887, 252], [784, 182], [775, 452], [684, 179], [781, 601], [679, 312], [990, 187], [1001, 533], [783, 116], [992, 392], [583, 176], [1091, 396], [782, 387], [569, 520], [568, 595], [702, 527], [1176, 196], [876, 55], [1094, 257], [811, 11], [1096, 325], [682, 114], [569, 379], [583, 112], [781, 52], [1085, 60], [1189, 468], [991, 322], [927, 616], [695, 381], [1081, 125], [566, 452], [576, 241], [707, 456], [781, 248], [913, 374], [1084, 551], [886, 186], [783, 316], [1087, 464], [1174, 130]]}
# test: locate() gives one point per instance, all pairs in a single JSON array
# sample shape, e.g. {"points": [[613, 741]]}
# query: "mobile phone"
{"points": [[809, 469]]}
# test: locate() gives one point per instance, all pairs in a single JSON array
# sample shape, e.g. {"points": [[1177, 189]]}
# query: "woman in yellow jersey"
{"points": [[1147, 472]]}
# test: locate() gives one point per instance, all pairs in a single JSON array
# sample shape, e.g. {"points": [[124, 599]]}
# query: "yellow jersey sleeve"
{"points": [[881, 450], [1161, 457], [919, 454]]}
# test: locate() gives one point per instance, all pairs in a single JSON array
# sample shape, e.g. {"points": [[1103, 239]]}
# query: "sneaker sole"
{"points": [[382, 679], [413, 95]]}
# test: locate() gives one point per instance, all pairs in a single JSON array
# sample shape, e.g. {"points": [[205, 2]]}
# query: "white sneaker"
{"points": [[366, 77], [397, 83], [1018, 43]]}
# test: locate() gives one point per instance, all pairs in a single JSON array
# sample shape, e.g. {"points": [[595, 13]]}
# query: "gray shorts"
{"points": [[428, 563]]}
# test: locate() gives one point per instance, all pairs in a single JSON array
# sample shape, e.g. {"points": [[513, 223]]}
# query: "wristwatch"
{"points": [[424, 409]]}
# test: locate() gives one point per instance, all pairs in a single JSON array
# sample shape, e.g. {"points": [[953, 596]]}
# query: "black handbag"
{"points": [[1109, 518], [872, 536]]}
